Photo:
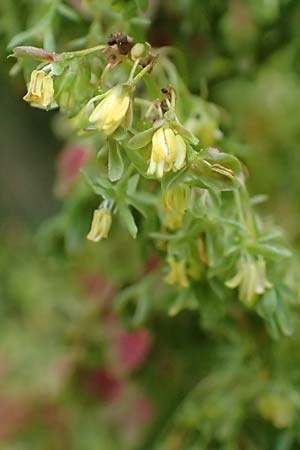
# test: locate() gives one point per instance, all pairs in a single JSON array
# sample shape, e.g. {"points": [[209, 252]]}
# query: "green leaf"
{"points": [[26, 35], [283, 318], [127, 218], [68, 12], [138, 160], [270, 251], [185, 300], [138, 204], [132, 184], [185, 133], [100, 186], [140, 140], [267, 304], [115, 161], [203, 175], [171, 178], [143, 307], [272, 328]]}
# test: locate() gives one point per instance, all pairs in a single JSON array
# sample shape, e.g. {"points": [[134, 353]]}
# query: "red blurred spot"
{"points": [[132, 349], [106, 385], [152, 263], [69, 163]]}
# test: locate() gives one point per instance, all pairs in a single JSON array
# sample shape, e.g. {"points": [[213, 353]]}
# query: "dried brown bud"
{"points": [[37, 53], [123, 42]]}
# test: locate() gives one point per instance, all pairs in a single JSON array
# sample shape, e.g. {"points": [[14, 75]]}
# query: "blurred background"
{"points": [[72, 374]]}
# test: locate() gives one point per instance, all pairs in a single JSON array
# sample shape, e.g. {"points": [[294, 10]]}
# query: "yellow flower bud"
{"points": [[175, 203], [111, 111], [168, 152], [251, 279], [177, 273], [177, 198], [101, 224], [40, 89]]}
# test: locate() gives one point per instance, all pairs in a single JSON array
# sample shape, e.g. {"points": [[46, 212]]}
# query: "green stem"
{"points": [[133, 70], [140, 75], [78, 53]]}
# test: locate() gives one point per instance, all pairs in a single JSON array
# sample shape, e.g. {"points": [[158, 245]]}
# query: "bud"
{"points": [[177, 198], [110, 112], [251, 279], [40, 89], [168, 152], [177, 273], [205, 128], [137, 51], [175, 203], [101, 224]]}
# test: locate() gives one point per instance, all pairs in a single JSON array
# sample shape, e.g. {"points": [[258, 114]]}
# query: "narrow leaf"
{"points": [[115, 161]]}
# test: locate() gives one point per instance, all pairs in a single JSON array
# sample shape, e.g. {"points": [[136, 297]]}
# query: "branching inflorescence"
{"points": [[162, 170]]}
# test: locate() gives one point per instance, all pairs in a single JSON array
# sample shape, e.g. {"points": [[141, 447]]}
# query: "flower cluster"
{"points": [[141, 137]]}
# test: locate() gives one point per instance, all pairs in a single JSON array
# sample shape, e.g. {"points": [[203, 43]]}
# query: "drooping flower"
{"points": [[168, 152], [101, 224], [40, 89], [177, 272], [111, 111], [251, 279]]}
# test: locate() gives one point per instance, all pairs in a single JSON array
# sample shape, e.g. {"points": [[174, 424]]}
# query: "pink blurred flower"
{"points": [[132, 349], [106, 385], [69, 163]]}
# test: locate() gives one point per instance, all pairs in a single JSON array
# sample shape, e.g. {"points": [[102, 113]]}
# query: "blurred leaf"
{"points": [[115, 161], [127, 217]]}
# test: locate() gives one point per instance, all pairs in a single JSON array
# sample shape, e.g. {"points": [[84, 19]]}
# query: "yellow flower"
{"points": [[177, 198], [101, 224], [168, 152], [251, 279], [177, 273], [40, 89], [175, 203], [110, 112]]}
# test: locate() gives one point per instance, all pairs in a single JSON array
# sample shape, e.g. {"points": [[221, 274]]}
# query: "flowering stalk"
{"points": [[150, 139]]}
